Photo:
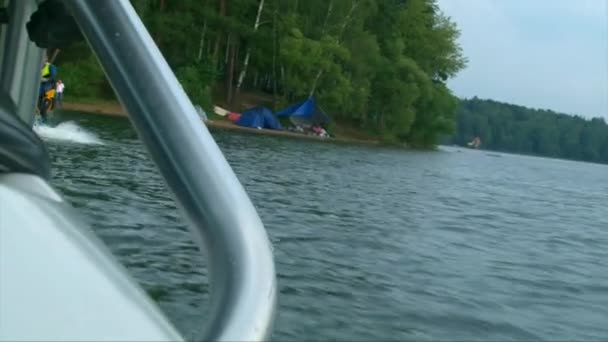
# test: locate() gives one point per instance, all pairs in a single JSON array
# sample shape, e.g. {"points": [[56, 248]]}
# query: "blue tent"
{"points": [[259, 117], [305, 113]]}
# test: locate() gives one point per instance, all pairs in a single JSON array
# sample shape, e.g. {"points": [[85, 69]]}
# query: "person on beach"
{"points": [[59, 92]]}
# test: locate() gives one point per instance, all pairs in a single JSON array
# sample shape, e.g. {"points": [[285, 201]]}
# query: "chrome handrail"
{"points": [[222, 218]]}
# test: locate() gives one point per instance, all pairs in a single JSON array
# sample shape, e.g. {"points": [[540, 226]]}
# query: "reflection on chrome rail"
{"points": [[221, 216]]}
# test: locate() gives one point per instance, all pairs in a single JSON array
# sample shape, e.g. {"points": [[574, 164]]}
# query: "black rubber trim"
{"points": [[21, 150], [52, 26], [3, 15]]}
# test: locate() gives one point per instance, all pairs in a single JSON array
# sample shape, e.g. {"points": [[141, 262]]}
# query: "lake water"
{"points": [[370, 243]]}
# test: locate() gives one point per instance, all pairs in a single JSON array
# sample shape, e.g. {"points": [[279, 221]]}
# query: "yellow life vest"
{"points": [[46, 69]]}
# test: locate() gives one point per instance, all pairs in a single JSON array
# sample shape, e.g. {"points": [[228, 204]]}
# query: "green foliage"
{"points": [[84, 79], [197, 80], [511, 128], [380, 64]]}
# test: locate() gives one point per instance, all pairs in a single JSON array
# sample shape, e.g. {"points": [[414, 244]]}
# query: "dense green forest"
{"points": [[510, 128], [381, 65]]}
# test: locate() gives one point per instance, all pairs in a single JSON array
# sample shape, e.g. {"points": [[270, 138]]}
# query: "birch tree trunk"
{"points": [[342, 28], [320, 72], [231, 55], [158, 31], [243, 72], [216, 49], [201, 44], [274, 56]]}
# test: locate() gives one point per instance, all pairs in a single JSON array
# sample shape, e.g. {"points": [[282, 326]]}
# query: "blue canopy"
{"points": [[306, 112], [259, 117]]}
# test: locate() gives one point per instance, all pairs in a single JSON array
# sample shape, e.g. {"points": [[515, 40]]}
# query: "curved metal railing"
{"points": [[221, 215]]}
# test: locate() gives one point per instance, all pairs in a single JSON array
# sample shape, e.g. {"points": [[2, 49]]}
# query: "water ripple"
{"points": [[370, 243]]}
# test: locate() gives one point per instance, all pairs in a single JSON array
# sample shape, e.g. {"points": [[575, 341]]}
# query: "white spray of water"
{"points": [[67, 131]]}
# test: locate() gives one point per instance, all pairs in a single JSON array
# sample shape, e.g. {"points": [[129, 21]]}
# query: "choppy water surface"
{"points": [[370, 243]]}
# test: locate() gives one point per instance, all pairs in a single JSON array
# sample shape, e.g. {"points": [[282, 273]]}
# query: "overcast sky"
{"points": [[550, 54]]}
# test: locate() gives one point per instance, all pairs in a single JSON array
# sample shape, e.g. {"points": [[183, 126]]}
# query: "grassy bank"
{"points": [[343, 132]]}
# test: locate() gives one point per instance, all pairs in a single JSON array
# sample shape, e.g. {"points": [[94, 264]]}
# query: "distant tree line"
{"points": [[511, 128], [380, 64]]}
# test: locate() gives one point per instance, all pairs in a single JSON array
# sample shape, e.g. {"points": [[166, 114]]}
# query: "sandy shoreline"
{"points": [[115, 109]]}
